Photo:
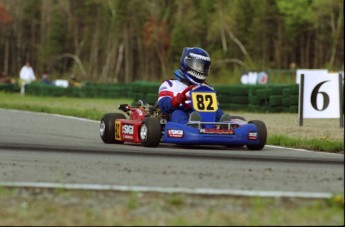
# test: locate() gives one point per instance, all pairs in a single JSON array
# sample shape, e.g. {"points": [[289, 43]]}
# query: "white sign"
{"points": [[309, 72], [254, 78], [321, 96], [61, 83]]}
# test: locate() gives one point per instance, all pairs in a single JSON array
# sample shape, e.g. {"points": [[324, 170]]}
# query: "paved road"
{"points": [[36, 147]]}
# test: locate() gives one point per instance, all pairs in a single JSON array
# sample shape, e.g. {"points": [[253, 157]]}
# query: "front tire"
{"points": [[262, 133], [150, 132], [107, 127]]}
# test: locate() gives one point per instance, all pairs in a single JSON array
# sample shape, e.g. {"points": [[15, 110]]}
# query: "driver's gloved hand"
{"points": [[178, 99]]}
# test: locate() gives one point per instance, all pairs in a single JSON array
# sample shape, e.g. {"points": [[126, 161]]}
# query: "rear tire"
{"points": [[107, 127], [262, 134], [150, 132]]}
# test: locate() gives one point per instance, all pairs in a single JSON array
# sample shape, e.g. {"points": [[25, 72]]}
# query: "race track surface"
{"points": [[41, 148]]}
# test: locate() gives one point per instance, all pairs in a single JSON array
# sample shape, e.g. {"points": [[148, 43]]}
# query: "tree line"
{"points": [[129, 40]]}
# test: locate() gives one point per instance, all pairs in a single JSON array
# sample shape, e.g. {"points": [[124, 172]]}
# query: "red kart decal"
{"points": [[216, 131], [175, 133], [252, 135]]}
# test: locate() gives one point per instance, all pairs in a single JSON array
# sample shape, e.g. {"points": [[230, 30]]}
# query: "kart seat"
{"points": [[194, 117], [224, 118]]}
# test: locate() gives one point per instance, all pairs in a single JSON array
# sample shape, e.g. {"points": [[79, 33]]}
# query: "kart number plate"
{"points": [[204, 101]]}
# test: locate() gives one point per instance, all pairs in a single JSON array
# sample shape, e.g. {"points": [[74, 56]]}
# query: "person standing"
{"points": [[26, 76]]}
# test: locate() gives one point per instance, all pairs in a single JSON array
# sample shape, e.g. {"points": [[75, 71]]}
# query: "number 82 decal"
{"points": [[204, 102]]}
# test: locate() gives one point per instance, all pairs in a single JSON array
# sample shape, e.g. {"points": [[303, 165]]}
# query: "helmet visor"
{"points": [[198, 65]]}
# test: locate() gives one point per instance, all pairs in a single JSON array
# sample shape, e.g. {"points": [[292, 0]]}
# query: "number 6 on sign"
{"points": [[204, 101], [321, 97]]}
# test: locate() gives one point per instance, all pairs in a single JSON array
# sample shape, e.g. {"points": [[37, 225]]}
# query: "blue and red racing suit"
{"points": [[167, 96]]}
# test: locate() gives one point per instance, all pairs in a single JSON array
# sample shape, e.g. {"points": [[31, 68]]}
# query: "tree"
{"points": [[125, 41], [5, 20], [328, 18]]}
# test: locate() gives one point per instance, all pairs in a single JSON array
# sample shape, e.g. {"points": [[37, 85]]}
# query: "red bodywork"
{"points": [[127, 130]]}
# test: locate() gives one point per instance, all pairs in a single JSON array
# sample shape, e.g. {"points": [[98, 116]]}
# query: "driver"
{"points": [[174, 95]]}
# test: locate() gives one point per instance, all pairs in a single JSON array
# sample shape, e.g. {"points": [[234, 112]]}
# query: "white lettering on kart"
{"points": [[140, 112], [128, 137], [175, 133], [128, 129]]}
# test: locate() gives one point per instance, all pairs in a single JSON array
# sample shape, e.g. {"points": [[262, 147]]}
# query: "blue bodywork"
{"points": [[245, 134]]}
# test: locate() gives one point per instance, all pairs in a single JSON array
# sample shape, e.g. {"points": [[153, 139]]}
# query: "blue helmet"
{"points": [[195, 64]]}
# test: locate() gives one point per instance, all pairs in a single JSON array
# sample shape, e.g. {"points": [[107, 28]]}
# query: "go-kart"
{"points": [[147, 125]]}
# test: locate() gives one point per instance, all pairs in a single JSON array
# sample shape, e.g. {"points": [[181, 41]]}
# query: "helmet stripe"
{"points": [[198, 56]]}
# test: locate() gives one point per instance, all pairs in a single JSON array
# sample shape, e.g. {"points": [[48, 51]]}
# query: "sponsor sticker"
{"points": [[128, 137], [252, 135], [117, 130], [128, 129], [175, 133], [216, 131]]}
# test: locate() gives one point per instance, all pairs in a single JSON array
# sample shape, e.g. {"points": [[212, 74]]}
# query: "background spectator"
{"points": [[45, 79], [26, 76]]}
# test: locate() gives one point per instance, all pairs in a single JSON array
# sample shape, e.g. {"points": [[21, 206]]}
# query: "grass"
{"points": [[320, 144], [283, 128], [77, 207]]}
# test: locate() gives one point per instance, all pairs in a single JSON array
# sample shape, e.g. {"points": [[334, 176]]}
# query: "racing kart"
{"points": [[147, 125]]}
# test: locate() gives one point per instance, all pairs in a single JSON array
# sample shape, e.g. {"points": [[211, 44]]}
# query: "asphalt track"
{"points": [[44, 150]]}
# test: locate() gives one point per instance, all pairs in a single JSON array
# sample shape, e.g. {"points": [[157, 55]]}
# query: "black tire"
{"points": [[262, 133], [150, 132], [107, 127]]}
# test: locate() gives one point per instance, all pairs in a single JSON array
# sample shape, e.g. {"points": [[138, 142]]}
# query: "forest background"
{"points": [[128, 40]]}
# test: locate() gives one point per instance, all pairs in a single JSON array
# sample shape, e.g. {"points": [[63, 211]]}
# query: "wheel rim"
{"points": [[143, 132], [102, 128]]}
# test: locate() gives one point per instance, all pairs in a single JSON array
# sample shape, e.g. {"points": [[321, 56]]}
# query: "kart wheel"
{"points": [[262, 133], [150, 132], [107, 127]]}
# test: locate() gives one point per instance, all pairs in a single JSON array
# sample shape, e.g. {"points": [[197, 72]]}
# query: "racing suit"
{"points": [[167, 94]]}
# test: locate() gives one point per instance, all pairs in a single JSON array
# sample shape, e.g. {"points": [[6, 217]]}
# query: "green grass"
{"points": [[320, 144], [283, 129], [77, 207], [78, 107]]}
